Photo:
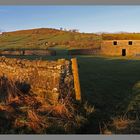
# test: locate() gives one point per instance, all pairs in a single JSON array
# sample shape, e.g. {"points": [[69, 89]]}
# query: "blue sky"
{"points": [[85, 18]]}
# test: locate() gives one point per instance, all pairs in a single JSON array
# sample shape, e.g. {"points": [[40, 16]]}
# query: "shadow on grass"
{"points": [[129, 121], [108, 85], [133, 101]]}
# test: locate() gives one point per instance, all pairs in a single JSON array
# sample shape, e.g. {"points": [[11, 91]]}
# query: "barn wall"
{"points": [[108, 48]]}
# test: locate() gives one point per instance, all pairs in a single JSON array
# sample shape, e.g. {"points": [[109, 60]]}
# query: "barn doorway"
{"points": [[123, 52]]}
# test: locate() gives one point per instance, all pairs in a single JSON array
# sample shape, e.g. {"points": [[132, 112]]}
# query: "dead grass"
{"points": [[120, 125], [8, 90], [80, 120], [107, 132], [25, 113], [121, 122], [88, 108]]}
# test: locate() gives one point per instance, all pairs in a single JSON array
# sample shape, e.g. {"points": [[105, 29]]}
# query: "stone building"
{"points": [[120, 47]]}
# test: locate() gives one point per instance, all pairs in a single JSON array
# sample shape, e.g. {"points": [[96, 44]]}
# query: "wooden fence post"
{"points": [[76, 79]]}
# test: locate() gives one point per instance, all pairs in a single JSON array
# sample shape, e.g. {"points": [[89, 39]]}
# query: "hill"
{"points": [[46, 37]]}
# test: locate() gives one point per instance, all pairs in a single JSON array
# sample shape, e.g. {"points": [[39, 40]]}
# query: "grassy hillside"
{"points": [[121, 36], [37, 38]]}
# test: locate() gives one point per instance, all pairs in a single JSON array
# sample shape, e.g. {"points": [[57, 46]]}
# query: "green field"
{"points": [[110, 84], [37, 38]]}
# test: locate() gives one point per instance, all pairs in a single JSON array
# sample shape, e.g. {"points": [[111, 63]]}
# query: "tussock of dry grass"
{"points": [[25, 113], [121, 122], [8, 90], [121, 125], [88, 108]]}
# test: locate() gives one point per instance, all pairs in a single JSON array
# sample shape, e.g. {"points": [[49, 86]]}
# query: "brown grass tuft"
{"points": [[121, 122], [107, 132], [88, 108], [33, 116], [8, 90]]}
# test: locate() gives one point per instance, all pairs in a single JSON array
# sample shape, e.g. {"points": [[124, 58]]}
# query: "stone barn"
{"points": [[120, 47]]}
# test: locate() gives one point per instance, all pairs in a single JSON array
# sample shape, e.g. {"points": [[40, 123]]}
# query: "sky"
{"points": [[90, 19]]}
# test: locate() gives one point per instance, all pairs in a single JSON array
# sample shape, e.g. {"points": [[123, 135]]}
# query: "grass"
{"points": [[121, 36], [37, 38], [110, 84]]}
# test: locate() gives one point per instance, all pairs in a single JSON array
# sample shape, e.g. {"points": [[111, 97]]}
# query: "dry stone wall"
{"points": [[28, 52], [49, 80], [84, 51]]}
